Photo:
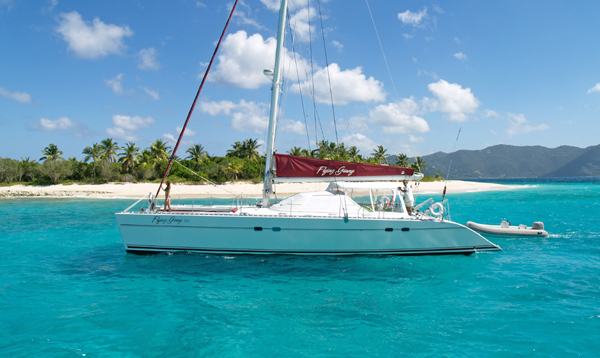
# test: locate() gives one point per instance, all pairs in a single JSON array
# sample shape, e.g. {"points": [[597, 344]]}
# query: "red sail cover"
{"points": [[290, 166]]}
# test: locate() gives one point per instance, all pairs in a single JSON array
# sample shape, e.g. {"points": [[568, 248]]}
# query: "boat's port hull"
{"points": [[255, 234]]}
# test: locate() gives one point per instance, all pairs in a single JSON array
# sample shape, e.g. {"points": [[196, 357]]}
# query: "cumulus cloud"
{"points": [[460, 56], [490, 113], [453, 100], [125, 127], [596, 88], [91, 40], [116, 84], [300, 23], [360, 141], [399, 117], [347, 86], [243, 59], [75, 128], [153, 94], [147, 59], [174, 136], [249, 116], [520, 125], [413, 18], [22, 97]]}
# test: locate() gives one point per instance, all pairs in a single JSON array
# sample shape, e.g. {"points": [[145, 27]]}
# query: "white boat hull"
{"points": [[512, 231], [236, 233]]}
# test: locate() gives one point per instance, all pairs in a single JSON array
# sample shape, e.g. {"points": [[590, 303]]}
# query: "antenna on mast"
{"points": [[449, 166]]}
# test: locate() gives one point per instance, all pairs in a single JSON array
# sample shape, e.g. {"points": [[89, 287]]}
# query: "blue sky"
{"points": [[523, 73]]}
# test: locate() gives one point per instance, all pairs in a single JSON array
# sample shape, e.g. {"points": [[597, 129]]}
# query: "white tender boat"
{"points": [[505, 229], [327, 222]]}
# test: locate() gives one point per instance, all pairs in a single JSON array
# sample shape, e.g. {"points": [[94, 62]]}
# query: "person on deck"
{"points": [[167, 196], [409, 199]]}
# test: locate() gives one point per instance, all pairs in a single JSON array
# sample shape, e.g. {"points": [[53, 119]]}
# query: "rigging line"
{"points": [[449, 166], [312, 69], [195, 100], [292, 32], [193, 172], [381, 46], [328, 75]]}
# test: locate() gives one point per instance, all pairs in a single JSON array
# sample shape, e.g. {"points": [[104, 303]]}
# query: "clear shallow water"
{"points": [[67, 288]]}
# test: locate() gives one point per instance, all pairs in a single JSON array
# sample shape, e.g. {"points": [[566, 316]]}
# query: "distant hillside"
{"points": [[507, 161], [585, 165]]}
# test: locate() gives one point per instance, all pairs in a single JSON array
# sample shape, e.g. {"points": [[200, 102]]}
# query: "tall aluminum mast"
{"points": [[268, 179]]}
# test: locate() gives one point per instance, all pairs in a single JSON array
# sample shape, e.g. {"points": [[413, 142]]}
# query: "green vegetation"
{"points": [[109, 162]]}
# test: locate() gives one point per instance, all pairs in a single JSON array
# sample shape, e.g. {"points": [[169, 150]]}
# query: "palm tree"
{"points": [[196, 152], [159, 150], [145, 157], [379, 155], [402, 160], [51, 152], [419, 164], [245, 150], [353, 155], [94, 153], [297, 151], [250, 147], [236, 150], [233, 169], [129, 156], [109, 149]]}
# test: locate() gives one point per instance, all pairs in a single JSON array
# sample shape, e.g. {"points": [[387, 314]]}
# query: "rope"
{"points": [[381, 46], [193, 172]]}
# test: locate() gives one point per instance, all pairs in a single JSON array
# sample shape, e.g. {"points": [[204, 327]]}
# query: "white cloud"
{"points": [[438, 9], [430, 74], [201, 5], [271, 4], [147, 59], [490, 113], [347, 86], [50, 7], [399, 117], [414, 139], [77, 129], [116, 85], [454, 100], [249, 116], [596, 88], [291, 126], [153, 94], [188, 131], [337, 45], [91, 40], [520, 125], [457, 40], [22, 97], [47, 125], [412, 18], [460, 56], [300, 23], [126, 126], [414, 59], [243, 59], [408, 36], [360, 141]]}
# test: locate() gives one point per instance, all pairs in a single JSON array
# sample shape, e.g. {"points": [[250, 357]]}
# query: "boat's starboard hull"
{"points": [[238, 234]]}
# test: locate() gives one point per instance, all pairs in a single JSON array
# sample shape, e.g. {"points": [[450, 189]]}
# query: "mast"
{"points": [[268, 178]]}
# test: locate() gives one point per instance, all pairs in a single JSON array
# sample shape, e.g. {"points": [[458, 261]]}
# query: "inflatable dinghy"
{"points": [[504, 229]]}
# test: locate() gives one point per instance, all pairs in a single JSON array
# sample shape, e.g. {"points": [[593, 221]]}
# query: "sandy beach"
{"points": [[138, 190]]}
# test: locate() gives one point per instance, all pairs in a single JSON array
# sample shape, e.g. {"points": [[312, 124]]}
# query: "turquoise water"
{"points": [[67, 288]]}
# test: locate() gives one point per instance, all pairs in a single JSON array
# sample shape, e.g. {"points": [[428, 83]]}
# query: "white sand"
{"points": [[130, 190]]}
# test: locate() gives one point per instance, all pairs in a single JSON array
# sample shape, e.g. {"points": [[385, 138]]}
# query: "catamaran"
{"points": [[361, 212]]}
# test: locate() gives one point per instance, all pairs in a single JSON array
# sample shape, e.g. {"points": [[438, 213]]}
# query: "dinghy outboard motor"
{"points": [[538, 225]]}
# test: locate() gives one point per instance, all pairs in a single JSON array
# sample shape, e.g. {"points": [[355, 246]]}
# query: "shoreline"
{"points": [[228, 190]]}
